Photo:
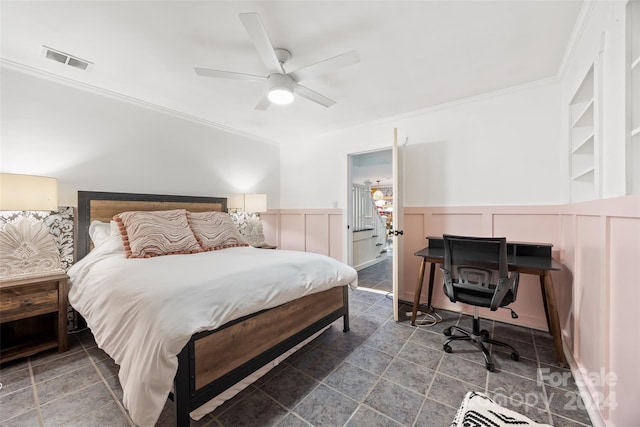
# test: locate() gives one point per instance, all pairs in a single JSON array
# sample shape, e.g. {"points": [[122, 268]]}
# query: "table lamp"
{"points": [[27, 248], [245, 210]]}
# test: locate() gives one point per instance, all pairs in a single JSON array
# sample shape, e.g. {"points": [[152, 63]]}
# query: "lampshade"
{"points": [[248, 202], [255, 202], [280, 89], [28, 193], [377, 195], [236, 202]]}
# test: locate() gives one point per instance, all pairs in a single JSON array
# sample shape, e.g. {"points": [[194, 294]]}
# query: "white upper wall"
{"points": [[97, 143], [500, 149], [516, 140]]}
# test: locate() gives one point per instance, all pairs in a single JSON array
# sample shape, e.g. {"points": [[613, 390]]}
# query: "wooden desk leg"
{"points": [[550, 304], [416, 297], [544, 300], [432, 273]]}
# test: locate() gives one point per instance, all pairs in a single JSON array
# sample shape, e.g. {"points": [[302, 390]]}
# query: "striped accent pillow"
{"points": [[216, 230], [155, 233]]}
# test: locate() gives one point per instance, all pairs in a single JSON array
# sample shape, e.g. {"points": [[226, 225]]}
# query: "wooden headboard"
{"points": [[102, 206]]}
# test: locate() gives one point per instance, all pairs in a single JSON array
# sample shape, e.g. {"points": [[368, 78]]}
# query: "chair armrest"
{"points": [[504, 286], [448, 284]]}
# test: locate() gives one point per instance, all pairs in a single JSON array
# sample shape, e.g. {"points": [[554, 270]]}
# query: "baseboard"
{"points": [[369, 263], [591, 406]]}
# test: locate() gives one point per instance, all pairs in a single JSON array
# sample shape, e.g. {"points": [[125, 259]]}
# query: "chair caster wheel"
{"points": [[447, 332], [515, 356], [447, 348], [491, 367], [484, 334]]}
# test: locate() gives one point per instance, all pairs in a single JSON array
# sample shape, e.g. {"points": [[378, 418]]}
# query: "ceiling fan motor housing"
{"points": [[280, 88], [281, 84]]}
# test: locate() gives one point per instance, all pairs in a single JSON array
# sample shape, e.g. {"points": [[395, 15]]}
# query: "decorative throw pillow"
{"points": [[155, 233], [479, 410], [215, 230], [250, 227]]}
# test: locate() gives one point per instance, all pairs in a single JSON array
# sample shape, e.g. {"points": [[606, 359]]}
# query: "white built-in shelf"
{"points": [[585, 146], [584, 93], [634, 99], [583, 154], [587, 175], [585, 117]]}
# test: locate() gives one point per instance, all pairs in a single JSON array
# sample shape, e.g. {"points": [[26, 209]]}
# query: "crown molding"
{"points": [[445, 106], [12, 65]]}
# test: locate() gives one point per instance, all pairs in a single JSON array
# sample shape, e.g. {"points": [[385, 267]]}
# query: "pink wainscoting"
{"points": [[565, 293], [271, 227], [534, 226], [317, 233], [518, 223], [597, 291], [601, 249], [292, 231], [624, 279], [309, 230], [335, 236], [590, 290]]}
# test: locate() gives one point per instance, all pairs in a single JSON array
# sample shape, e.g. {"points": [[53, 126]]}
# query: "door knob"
{"points": [[398, 232]]}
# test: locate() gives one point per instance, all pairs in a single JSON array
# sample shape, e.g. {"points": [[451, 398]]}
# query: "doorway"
{"points": [[371, 203]]}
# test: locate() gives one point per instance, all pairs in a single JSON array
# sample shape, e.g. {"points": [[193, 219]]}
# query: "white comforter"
{"points": [[142, 312]]}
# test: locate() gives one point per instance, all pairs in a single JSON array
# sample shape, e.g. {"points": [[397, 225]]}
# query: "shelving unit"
{"points": [[583, 155], [633, 103]]}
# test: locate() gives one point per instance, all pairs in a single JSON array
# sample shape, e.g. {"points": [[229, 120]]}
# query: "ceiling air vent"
{"points": [[65, 58]]}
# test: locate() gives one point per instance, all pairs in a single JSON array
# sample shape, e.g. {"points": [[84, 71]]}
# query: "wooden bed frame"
{"points": [[213, 361]]}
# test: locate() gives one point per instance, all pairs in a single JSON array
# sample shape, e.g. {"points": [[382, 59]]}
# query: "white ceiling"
{"points": [[375, 166], [413, 55]]}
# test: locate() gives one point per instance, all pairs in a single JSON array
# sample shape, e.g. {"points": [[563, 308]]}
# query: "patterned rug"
{"points": [[478, 410]]}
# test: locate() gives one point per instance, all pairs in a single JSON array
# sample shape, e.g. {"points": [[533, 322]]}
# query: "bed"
{"points": [[205, 358]]}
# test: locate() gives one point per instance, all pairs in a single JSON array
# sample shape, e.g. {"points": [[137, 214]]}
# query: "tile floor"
{"points": [[381, 373]]}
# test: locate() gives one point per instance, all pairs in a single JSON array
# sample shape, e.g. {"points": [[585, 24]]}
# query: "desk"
{"points": [[527, 258]]}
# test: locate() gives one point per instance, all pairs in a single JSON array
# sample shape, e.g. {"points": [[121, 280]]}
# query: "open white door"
{"points": [[349, 219], [397, 217]]}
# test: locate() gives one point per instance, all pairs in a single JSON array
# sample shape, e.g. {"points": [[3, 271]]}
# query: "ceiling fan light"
{"points": [[280, 89], [280, 96]]}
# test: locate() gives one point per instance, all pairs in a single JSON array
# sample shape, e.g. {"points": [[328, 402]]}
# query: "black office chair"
{"points": [[468, 280]]}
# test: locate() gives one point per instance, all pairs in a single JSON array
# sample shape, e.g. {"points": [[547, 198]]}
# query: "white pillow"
{"points": [[101, 231]]}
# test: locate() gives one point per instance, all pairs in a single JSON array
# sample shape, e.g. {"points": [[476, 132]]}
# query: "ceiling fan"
{"points": [[282, 85]]}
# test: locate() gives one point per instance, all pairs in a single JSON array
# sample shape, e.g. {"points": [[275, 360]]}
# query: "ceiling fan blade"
{"points": [[305, 92], [228, 75], [263, 104], [258, 35], [326, 66]]}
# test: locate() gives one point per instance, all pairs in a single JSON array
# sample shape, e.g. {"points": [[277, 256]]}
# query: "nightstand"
{"points": [[33, 315]]}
